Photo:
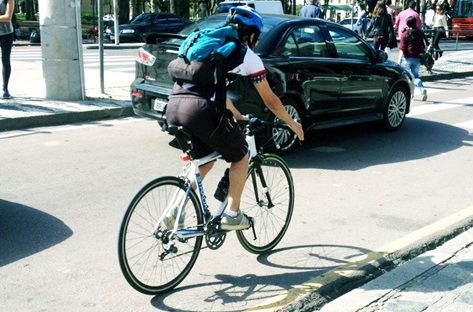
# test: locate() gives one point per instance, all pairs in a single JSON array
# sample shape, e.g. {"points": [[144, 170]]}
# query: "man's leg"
{"points": [[237, 177]]}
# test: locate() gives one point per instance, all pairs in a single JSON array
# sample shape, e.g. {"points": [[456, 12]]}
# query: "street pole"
{"points": [[116, 15], [61, 49], [101, 62]]}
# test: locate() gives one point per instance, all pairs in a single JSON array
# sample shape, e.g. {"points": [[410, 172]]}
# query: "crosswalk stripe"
{"points": [[430, 108], [465, 125]]}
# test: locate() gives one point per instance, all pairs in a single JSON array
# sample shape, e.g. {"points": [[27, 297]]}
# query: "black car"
{"points": [[149, 22], [324, 74]]}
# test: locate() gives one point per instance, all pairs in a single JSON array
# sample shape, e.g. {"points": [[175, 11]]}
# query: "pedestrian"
{"points": [[7, 35], [412, 43], [391, 10], [392, 42], [440, 30], [362, 22], [401, 18], [195, 107], [312, 10], [381, 28]]}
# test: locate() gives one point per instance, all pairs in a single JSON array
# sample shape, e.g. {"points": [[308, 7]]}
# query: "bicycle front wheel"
{"points": [[268, 198], [154, 263]]}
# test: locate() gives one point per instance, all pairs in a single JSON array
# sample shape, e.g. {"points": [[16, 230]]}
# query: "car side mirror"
{"points": [[381, 56]]}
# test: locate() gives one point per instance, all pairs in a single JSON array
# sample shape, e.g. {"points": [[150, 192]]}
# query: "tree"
{"points": [[124, 9], [30, 10]]}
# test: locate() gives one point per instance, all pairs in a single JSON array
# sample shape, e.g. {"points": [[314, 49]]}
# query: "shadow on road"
{"points": [[25, 231], [235, 293], [360, 146]]}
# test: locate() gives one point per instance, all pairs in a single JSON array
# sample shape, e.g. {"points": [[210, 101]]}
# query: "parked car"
{"points": [[325, 74], [146, 23], [356, 26]]}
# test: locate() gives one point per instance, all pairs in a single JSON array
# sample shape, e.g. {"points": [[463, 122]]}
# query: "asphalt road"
{"points": [[64, 191]]}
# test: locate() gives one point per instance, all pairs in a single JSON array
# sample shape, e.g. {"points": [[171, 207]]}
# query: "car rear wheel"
{"points": [[286, 140], [396, 108]]}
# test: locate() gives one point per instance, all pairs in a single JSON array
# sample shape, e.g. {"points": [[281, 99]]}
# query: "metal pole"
{"points": [[116, 15], [101, 67], [79, 47]]}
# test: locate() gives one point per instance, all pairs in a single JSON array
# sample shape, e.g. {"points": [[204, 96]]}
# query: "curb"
{"points": [[10, 124], [444, 76], [315, 293]]}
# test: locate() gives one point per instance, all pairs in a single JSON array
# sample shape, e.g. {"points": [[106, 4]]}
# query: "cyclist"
{"points": [[193, 108]]}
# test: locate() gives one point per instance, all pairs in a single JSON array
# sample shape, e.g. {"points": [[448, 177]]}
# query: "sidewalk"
{"points": [[437, 280], [28, 108]]}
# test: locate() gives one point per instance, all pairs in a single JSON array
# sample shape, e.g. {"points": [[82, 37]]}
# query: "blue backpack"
{"points": [[202, 54], [200, 44]]}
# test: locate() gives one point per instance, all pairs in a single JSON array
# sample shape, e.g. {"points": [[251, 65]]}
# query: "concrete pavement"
{"points": [[439, 279]]}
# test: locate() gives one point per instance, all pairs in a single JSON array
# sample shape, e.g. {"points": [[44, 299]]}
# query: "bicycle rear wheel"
{"points": [[268, 198], [146, 261]]}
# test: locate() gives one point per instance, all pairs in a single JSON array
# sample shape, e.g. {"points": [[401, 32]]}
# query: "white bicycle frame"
{"points": [[192, 175]]}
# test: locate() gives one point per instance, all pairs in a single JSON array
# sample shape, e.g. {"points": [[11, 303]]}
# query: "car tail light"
{"points": [[144, 57], [137, 94]]}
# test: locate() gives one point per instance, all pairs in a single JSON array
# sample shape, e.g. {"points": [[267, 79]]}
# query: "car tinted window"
{"points": [[305, 41], [348, 46], [142, 18], [174, 19], [218, 20]]}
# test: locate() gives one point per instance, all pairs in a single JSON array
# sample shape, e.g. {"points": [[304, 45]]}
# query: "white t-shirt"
{"points": [[252, 66]]}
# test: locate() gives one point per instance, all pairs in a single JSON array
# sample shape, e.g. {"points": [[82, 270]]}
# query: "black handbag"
{"points": [[427, 60], [392, 43]]}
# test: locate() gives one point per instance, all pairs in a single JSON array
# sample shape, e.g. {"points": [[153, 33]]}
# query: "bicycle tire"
{"points": [[270, 223], [139, 250]]}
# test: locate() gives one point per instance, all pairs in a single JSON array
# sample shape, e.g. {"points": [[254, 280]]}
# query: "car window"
{"points": [[142, 18], [173, 19], [348, 46], [305, 41]]}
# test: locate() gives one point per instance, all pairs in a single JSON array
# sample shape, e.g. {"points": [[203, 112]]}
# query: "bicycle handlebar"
{"points": [[254, 123]]}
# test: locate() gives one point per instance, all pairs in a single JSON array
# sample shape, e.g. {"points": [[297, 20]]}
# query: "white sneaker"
{"points": [[240, 222], [424, 95]]}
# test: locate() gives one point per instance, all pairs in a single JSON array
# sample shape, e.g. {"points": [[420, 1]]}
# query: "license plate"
{"points": [[159, 105]]}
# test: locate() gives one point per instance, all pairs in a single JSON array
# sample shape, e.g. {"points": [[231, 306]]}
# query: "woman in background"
{"points": [[7, 35], [381, 28], [411, 45], [440, 27]]}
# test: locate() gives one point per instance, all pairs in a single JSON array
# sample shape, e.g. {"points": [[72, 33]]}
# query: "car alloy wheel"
{"points": [[396, 109]]}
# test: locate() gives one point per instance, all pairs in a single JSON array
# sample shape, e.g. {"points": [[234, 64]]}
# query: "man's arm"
{"points": [[274, 104]]}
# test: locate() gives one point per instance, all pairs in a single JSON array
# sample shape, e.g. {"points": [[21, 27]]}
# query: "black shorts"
{"points": [[200, 116]]}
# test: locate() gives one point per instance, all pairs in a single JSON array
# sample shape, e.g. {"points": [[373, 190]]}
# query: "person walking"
{"points": [[312, 10], [7, 36], [440, 27], [401, 18], [392, 42], [412, 43], [391, 10], [195, 107], [381, 28]]}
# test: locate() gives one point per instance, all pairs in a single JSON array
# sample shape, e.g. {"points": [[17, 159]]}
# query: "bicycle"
{"points": [[163, 228]]}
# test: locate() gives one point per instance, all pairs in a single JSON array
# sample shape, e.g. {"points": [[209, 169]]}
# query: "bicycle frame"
{"points": [[191, 174]]}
